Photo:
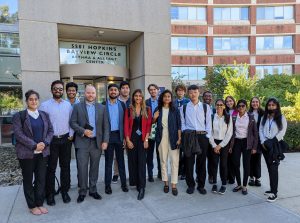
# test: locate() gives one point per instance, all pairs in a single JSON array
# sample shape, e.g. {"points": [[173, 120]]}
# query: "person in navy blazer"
{"points": [[33, 131]]}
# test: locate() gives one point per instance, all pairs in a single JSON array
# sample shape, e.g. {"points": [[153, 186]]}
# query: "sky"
{"points": [[13, 5]]}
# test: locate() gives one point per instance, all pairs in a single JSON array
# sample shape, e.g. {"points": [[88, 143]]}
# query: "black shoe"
{"points": [[174, 191], [251, 182], [65, 196], [124, 188], [50, 200], [244, 191], [159, 175], [108, 189], [190, 190], [150, 179], [95, 196], [268, 192], [237, 188], [211, 180], [166, 189], [201, 190], [272, 198], [115, 179], [257, 183], [214, 189], [182, 177], [141, 194], [80, 198], [222, 190], [231, 181]]}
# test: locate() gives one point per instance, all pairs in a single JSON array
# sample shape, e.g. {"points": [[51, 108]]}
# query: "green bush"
{"points": [[292, 136]]}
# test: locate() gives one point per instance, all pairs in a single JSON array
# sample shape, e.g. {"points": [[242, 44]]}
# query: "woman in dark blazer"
{"points": [[168, 138], [33, 132], [255, 162], [244, 141], [137, 126]]}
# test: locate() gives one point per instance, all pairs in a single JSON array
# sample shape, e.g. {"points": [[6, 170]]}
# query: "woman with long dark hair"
{"points": [[230, 107], [271, 132], [244, 143], [255, 162], [168, 138], [34, 132], [219, 140], [137, 126]]}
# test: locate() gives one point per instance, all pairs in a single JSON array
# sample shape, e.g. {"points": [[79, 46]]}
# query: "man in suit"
{"points": [[115, 109], [152, 103], [90, 123]]}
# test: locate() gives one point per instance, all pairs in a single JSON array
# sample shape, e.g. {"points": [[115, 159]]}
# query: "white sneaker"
{"points": [[272, 198]]}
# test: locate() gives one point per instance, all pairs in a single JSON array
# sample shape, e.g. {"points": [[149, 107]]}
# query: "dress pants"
{"points": [[273, 172], [222, 157], [230, 168], [255, 165], [37, 167], [150, 153], [239, 148], [200, 164], [137, 164], [181, 169], [60, 148], [210, 161], [115, 146], [88, 156], [116, 168]]}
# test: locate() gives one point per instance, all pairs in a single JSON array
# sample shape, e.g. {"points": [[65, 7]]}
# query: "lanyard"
{"points": [[270, 124]]}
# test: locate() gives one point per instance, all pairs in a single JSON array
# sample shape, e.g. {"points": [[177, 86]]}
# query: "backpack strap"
{"points": [[184, 110], [205, 111]]}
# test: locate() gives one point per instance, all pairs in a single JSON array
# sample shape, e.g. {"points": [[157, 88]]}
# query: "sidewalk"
{"points": [[160, 207]]}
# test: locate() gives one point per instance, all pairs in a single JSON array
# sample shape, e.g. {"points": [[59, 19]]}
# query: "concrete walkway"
{"points": [[160, 207]]}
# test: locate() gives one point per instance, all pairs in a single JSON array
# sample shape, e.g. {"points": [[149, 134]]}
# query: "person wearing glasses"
{"points": [[271, 132], [219, 141], [33, 131], [59, 111], [244, 142]]}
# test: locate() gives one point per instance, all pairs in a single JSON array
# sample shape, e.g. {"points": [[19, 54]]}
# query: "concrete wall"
{"points": [[150, 53]]}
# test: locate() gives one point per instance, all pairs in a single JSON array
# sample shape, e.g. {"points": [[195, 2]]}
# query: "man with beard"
{"points": [[207, 98], [71, 90], [115, 109], [59, 112], [90, 122]]}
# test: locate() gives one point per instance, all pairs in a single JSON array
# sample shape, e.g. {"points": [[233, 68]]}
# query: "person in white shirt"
{"points": [[196, 123], [221, 134], [244, 141], [271, 132]]}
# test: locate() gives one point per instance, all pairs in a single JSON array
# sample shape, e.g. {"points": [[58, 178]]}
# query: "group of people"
{"points": [[185, 131]]}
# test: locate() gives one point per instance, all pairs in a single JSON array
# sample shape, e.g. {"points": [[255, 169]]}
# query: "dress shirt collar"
{"points": [[34, 114], [90, 103], [153, 100], [244, 116], [109, 102]]}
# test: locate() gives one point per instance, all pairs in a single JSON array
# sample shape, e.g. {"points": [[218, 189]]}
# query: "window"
{"points": [[188, 13], [189, 73], [261, 71], [8, 11], [274, 42], [188, 43], [233, 43], [275, 12], [230, 14], [9, 43]]}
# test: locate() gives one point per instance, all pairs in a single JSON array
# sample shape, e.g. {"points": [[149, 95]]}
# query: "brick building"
{"points": [[262, 33]]}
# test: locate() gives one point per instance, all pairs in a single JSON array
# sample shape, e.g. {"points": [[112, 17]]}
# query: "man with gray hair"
{"points": [[90, 122]]}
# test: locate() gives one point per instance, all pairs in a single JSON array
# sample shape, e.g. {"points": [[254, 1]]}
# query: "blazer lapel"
{"points": [[45, 125], [27, 123], [83, 106]]}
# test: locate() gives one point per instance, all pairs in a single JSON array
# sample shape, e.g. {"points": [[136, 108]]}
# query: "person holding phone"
{"points": [[168, 138]]}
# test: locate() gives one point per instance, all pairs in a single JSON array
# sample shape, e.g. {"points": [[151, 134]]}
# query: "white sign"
{"points": [[78, 53]]}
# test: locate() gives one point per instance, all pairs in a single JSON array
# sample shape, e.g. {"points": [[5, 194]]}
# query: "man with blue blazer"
{"points": [[90, 123], [115, 112]]}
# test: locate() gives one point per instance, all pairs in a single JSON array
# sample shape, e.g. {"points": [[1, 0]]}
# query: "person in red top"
{"points": [[137, 127]]}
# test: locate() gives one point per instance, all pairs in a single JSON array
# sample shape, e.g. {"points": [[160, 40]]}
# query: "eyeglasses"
{"points": [[241, 106], [219, 105], [57, 89]]}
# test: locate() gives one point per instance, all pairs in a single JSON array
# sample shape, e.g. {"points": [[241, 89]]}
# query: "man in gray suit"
{"points": [[90, 123], [115, 109]]}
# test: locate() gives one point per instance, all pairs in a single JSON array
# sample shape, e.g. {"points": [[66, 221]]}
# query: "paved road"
{"points": [[160, 207]]}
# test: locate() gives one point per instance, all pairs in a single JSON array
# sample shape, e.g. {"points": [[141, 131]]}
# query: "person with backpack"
{"points": [[196, 125], [137, 126], [244, 143], [219, 140], [168, 138], [115, 110], [271, 132], [33, 131]]}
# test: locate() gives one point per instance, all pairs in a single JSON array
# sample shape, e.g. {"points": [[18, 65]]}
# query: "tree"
{"points": [[215, 81], [5, 16]]}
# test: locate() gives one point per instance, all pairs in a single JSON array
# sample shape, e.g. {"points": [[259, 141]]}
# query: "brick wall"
{"points": [[226, 30], [189, 60], [284, 28], [185, 29], [270, 59]]}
